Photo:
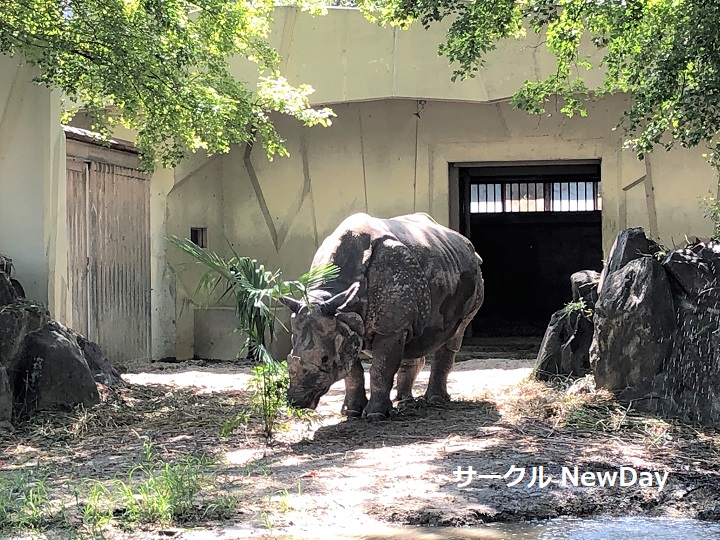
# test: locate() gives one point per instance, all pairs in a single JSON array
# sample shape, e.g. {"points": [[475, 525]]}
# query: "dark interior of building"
{"points": [[533, 226]]}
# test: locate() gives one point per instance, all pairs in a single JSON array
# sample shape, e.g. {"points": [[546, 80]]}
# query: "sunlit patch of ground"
{"points": [[333, 477]]}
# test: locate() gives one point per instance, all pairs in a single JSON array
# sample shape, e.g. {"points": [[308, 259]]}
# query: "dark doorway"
{"points": [[533, 226]]}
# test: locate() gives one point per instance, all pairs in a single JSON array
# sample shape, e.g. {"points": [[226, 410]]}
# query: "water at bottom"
{"points": [[597, 528], [609, 528]]}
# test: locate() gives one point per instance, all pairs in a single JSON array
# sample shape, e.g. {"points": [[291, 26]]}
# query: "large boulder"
{"points": [[43, 364], [693, 371], [584, 286], [565, 348], [16, 321], [52, 373], [8, 294], [629, 245], [634, 326], [657, 329], [100, 367]]}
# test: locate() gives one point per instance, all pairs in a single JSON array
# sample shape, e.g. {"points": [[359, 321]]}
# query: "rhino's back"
{"points": [[451, 269], [447, 268], [436, 248]]}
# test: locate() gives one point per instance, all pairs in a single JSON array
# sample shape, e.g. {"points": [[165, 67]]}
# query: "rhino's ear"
{"points": [[353, 320], [291, 303], [337, 302]]}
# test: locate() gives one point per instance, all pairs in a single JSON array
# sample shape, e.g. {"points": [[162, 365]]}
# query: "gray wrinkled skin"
{"points": [[408, 287]]}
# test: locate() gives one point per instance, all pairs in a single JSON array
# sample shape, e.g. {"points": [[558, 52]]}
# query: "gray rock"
{"points": [[634, 326], [54, 373], [101, 368], [8, 293], [584, 286], [565, 349], [692, 274], [629, 245], [575, 352], [6, 397], [693, 372], [16, 321], [549, 357]]}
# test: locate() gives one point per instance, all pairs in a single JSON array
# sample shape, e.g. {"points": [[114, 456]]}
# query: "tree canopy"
{"points": [[664, 53], [160, 66]]}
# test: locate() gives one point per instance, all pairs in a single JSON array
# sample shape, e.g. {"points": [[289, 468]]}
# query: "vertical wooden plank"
{"points": [[76, 192], [120, 256]]}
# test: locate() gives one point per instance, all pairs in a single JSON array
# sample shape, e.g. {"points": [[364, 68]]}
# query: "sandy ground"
{"points": [[352, 477]]}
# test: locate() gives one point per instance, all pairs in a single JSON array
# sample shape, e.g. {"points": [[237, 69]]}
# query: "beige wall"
{"points": [[380, 158], [346, 58], [32, 188]]}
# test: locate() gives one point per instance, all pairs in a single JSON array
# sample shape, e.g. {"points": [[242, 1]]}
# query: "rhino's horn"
{"points": [[331, 306], [291, 303]]}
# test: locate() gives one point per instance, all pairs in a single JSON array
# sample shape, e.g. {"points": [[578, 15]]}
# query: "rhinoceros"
{"points": [[407, 287]]}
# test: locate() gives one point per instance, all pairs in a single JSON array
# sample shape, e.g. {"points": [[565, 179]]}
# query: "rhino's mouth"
{"points": [[315, 403], [308, 400], [305, 402]]}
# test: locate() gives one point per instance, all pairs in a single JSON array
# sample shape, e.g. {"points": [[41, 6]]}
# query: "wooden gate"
{"points": [[108, 220]]}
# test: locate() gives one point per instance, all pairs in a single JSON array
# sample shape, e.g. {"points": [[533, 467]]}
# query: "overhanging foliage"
{"points": [[665, 53], [160, 66]]}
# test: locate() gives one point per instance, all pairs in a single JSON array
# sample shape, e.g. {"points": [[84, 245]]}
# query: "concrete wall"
{"points": [[32, 187], [346, 58], [401, 123], [380, 158]]}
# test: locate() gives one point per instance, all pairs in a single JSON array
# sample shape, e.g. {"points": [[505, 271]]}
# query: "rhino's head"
{"points": [[325, 344]]}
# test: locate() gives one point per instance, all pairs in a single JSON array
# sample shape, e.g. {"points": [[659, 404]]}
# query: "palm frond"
{"points": [[318, 275], [255, 289]]}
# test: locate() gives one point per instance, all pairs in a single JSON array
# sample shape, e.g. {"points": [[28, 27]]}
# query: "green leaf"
{"points": [[161, 67]]}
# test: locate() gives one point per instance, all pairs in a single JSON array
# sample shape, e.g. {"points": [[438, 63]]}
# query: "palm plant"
{"points": [[256, 291]]}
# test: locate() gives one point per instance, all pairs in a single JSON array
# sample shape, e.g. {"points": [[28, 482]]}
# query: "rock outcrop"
{"points": [[43, 364], [634, 325], [657, 329], [654, 324], [565, 349]]}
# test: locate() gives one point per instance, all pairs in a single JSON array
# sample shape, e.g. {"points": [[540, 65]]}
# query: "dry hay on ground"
{"points": [[350, 473]]}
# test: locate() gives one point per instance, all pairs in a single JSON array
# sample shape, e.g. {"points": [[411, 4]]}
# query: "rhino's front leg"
{"points": [[355, 397], [386, 352]]}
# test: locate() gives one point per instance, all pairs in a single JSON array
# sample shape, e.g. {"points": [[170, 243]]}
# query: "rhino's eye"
{"points": [[325, 358]]}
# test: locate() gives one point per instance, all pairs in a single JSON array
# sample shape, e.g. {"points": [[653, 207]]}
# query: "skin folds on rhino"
{"points": [[407, 287]]}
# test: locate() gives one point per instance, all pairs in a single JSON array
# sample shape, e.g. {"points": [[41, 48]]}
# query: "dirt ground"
{"points": [[351, 476]]}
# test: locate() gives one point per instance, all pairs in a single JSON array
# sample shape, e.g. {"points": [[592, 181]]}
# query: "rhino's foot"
{"points": [[437, 398], [353, 408], [379, 410], [405, 399]]}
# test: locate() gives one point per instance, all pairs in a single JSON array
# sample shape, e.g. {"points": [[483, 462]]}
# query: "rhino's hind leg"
{"points": [[442, 364], [406, 376], [355, 397]]}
